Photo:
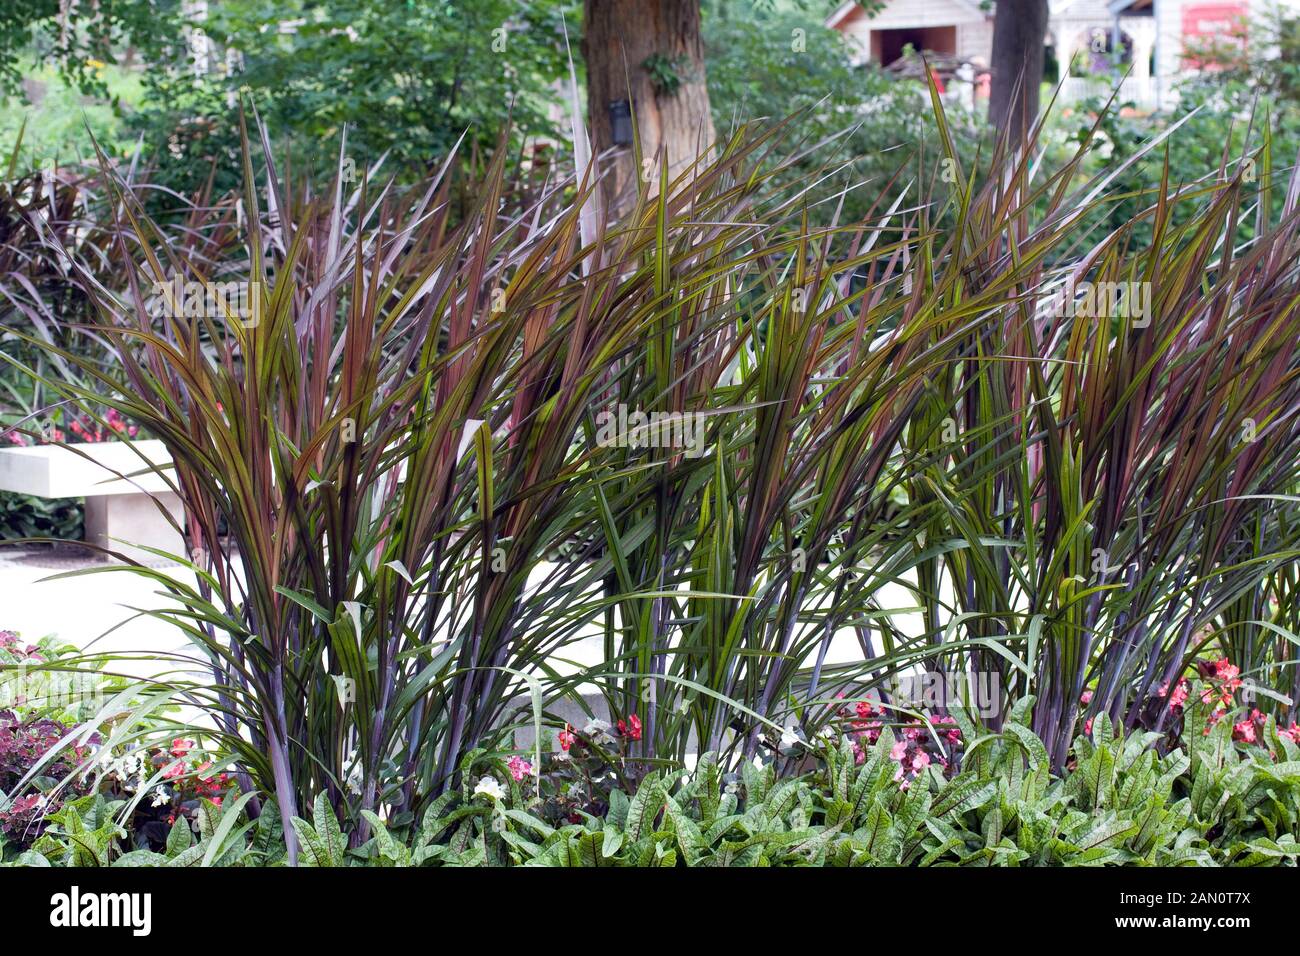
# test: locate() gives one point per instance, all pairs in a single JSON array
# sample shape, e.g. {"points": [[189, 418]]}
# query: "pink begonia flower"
{"points": [[1179, 695], [898, 750], [1226, 670], [519, 767]]}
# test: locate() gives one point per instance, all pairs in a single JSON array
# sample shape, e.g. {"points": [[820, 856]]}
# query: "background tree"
{"points": [[406, 78], [768, 60], [1019, 27], [649, 53], [75, 38]]}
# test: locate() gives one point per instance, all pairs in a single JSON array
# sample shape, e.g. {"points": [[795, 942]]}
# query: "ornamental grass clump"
{"points": [[1077, 455]]}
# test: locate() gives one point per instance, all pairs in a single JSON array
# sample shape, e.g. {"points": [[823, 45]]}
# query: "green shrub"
{"points": [[26, 516], [1120, 803]]}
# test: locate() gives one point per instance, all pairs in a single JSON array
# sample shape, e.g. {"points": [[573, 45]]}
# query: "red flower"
{"points": [[631, 728], [566, 737]]}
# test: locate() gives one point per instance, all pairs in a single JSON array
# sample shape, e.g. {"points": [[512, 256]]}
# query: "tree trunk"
{"points": [[1019, 27], [619, 37]]}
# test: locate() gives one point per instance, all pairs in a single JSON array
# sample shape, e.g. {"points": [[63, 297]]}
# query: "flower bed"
{"points": [[1214, 803], [934, 790]]}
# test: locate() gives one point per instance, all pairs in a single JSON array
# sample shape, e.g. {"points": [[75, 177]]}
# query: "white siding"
{"points": [[857, 28], [923, 13], [975, 40]]}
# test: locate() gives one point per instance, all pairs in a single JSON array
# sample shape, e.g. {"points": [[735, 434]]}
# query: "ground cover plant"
{"points": [[429, 449], [871, 804]]}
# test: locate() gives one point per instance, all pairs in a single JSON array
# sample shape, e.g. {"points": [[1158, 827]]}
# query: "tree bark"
{"points": [[619, 36], [1019, 27]]}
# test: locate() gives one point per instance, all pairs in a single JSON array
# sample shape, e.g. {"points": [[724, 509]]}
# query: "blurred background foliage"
{"points": [[407, 78]]}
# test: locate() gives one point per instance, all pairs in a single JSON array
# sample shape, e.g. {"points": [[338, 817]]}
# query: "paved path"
{"points": [[96, 612], [83, 610]]}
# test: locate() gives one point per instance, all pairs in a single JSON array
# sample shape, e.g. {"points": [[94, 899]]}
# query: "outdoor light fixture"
{"points": [[620, 120]]}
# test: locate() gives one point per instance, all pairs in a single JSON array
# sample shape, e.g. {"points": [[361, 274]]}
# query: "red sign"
{"points": [[1206, 25]]}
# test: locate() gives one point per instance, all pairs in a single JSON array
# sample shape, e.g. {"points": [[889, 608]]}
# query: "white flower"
{"points": [[124, 768], [489, 786], [355, 779], [788, 738], [598, 731], [161, 797]]}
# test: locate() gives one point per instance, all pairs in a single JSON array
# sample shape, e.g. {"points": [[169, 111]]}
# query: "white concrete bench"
{"points": [[120, 514]]}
